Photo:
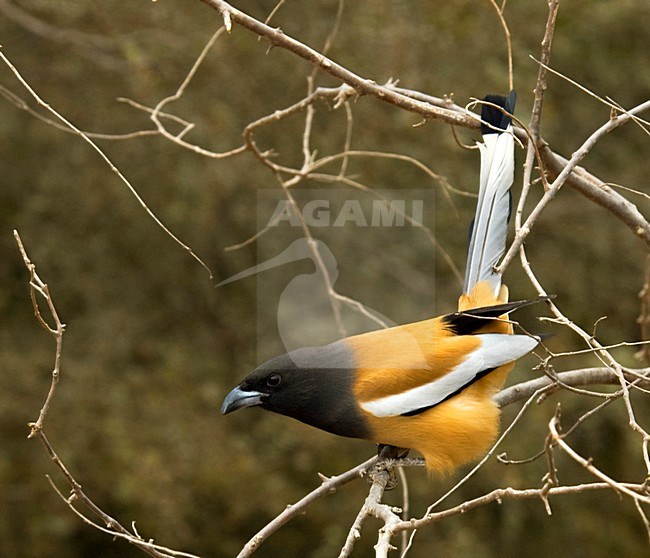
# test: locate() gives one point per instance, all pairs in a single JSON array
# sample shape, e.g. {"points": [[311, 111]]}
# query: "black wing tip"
{"points": [[493, 119], [468, 321]]}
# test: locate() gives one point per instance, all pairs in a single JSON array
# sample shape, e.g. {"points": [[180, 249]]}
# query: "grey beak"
{"points": [[239, 398]]}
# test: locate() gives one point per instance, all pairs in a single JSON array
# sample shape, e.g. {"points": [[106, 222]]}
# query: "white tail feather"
{"points": [[490, 227]]}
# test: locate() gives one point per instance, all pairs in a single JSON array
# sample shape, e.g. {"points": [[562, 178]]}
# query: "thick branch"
{"points": [[362, 86], [583, 377], [597, 191], [571, 166], [430, 107]]}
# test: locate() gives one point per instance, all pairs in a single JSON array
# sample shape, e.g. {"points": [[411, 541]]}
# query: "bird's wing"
{"points": [[469, 321], [494, 350]]}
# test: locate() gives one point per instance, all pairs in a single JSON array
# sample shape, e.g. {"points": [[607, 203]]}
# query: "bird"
{"points": [[425, 386]]}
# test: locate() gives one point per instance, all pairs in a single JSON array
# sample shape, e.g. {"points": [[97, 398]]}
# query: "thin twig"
{"points": [[106, 159], [560, 180], [37, 428], [501, 494], [553, 427], [443, 110], [499, 10], [328, 486], [38, 287], [156, 112]]}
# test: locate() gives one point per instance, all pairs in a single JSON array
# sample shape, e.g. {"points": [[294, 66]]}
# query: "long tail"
{"points": [[490, 225]]}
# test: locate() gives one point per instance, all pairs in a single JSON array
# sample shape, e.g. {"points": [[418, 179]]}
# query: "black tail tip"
{"points": [[493, 119]]}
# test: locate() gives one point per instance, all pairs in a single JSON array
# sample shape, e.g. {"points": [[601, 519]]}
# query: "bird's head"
{"points": [[267, 386], [312, 385]]}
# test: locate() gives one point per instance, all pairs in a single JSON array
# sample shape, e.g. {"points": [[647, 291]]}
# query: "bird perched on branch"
{"points": [[428, 385]]}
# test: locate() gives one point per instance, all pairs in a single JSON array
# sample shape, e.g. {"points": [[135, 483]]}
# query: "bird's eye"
{"points": [[273, 380]]}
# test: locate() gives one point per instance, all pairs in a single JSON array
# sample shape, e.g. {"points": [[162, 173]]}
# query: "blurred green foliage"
{"points": [[151, 346]]}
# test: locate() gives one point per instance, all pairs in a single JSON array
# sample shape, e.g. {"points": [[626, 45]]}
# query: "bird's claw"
{"points": [[387, 455]]}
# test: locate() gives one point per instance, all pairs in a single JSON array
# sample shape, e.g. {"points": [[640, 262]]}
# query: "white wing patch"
{"points": [[495, 350]]}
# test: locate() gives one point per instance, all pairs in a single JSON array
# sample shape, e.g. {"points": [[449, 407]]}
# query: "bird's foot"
{"points": [[387, 455]]}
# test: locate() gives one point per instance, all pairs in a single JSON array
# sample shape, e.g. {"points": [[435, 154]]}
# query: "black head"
{"points": [[312, 385]]}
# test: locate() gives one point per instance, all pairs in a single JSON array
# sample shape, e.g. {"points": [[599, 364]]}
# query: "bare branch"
{"points": [[551, 166], [447, 111], [328, 486], [561, 178], [371, 507], [38, 287], [105, 158], [19, 103], [501, 494], [534, 125], [112, 526], [499, 10], [540, 85], [583, 377], [360, 85], [155, 113], [587, 464], [597, 191]]}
